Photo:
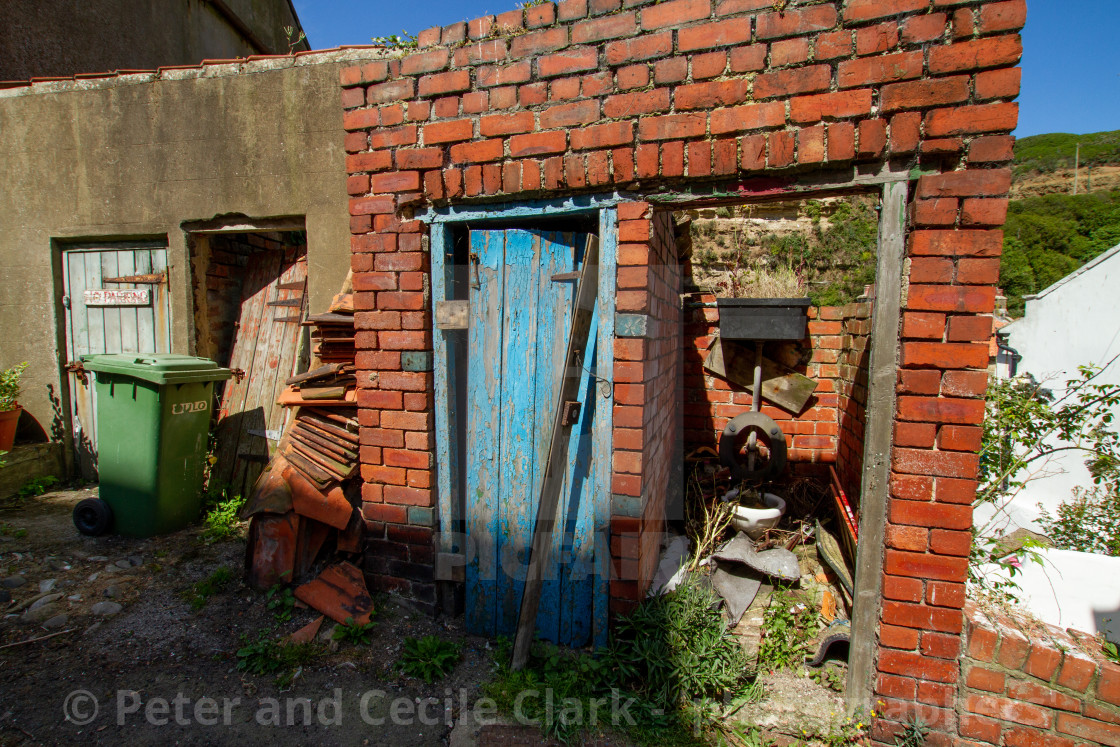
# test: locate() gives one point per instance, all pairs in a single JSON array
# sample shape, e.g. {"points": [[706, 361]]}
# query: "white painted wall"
{"points": [[1072, 323]]}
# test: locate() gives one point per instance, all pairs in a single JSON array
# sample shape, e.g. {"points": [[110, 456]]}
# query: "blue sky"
{"points": [[1071, 61]]}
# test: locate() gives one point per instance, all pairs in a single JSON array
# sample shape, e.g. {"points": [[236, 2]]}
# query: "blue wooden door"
{"points": [[519, 323]]}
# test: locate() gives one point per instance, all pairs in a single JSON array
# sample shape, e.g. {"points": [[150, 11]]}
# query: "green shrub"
{"points": [[199, 594], [429, 658], [1090, 522], [788, 625]]}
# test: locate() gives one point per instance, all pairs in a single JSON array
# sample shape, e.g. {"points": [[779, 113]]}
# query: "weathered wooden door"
{"points": [[519, 322], [111, 323], [266, 348]]}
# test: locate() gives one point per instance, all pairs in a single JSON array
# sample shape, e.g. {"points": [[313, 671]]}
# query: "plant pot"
{"points": [[762, 318], [9, 419]]}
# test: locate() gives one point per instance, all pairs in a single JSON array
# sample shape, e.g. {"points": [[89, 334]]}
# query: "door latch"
{"points": [[571, 412]]}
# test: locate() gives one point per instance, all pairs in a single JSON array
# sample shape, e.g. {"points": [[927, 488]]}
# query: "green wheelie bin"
{"points": [[153, 423]]}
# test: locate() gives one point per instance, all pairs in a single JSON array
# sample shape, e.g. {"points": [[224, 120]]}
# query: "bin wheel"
{"points": [[92, 517]]}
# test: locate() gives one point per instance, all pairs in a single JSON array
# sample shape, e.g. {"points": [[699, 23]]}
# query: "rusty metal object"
{"points": [[271, 492], [271, 550], [330, 508], [156, 278], [78, 370], [339, 593]]}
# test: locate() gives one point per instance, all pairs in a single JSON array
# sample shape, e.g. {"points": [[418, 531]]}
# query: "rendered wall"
{"points": [[136, 157], [52, 38]]}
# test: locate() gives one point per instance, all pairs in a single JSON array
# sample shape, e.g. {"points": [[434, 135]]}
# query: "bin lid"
{"points": [[158, 368]]}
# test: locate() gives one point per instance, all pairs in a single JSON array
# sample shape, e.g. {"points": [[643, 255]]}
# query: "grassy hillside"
{"points": [[1048, 237], [1054, 151]]}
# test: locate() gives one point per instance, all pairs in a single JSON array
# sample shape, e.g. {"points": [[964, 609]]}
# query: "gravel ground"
{"points": [[162, 673]]}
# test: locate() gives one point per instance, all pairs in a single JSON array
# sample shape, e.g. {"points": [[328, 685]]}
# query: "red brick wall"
{"points": [[647, 396], [830, 428], [853, 359], [595, 95], [1025, 683]]}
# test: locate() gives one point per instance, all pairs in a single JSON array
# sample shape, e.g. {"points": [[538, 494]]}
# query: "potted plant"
{"points": [[9, 408]]}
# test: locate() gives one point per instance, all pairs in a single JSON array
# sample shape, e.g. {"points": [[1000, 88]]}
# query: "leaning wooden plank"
{"points": [[549, 499], [790, 391]]}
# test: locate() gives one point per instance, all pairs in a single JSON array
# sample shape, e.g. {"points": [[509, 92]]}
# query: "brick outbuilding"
{"points": [[602, 117]]}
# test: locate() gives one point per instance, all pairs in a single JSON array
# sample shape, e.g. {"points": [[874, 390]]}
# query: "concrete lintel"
{"points": [[882, 375], [244, 224]]}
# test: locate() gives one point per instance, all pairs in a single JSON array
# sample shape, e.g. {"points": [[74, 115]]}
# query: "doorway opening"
{"points": [[250, 301]]}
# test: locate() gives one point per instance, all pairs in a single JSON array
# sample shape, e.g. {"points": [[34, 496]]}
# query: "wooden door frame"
{"points": [[443, 223], [60, 247]]}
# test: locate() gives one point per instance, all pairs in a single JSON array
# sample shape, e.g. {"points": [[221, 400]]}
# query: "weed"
{"points": [[787, 628], [672, 659], [281, 601], [913, 733], [269, 656], [830, 676], [290, 31], [1111, 651], [429, 658], [351, 632], [221, 521], [199, 594], [37, 487], [403, 41], [10, 531]]}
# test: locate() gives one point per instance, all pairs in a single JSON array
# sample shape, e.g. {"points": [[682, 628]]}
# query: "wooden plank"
{"points": [[161, 304], [114, 343], [82, 411], [602, 438], [446, 386], [576, 518], [235, 396], [130, 339], [518, 443], [484, 381], [735, 363], [556, 255], [95, 317], [146, 316], [557, 459]]}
